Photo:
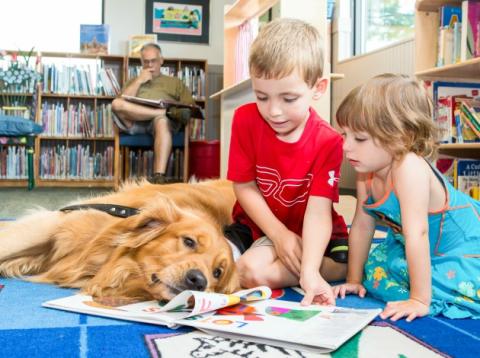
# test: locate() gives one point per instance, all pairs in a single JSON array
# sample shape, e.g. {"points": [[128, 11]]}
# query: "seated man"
{"points": [[135, 118]]}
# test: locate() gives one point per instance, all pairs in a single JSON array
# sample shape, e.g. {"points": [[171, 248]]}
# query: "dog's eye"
{"points": [[189, 242], [217, 272]]}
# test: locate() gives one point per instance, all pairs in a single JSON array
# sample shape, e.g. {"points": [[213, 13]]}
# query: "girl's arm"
{"points": [[317, 230], [411, 180], [360, 236], [359, 241], [412, 185], [286, 242]]}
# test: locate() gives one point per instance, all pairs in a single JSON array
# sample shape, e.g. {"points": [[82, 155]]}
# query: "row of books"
{"points": [[192, 76], [13, 162], [464, 174], [139, 163], [78, 120], [458, 33], [79, 162], [457, 111], [79, 80]]}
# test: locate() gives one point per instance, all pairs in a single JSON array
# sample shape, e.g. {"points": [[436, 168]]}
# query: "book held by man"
{"points": [[249, 315], [197, 111]]}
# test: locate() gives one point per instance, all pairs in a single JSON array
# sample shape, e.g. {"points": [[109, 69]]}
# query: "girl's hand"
{"points": [[346, 288], [289, 250], [317, 290], [410, 309]]}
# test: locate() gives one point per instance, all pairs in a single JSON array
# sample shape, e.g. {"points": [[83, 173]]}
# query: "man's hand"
{"points": [[346, 288], [317, 290], [144, 76], [410, 309], [289, 250]]}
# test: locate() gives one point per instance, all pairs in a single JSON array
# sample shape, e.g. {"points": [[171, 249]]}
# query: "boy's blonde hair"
{"points": [[396, 111], [285, 45]]}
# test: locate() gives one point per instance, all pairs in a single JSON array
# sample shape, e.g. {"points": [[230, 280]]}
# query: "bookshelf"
{"points": [[77, 147], [18, 98], [80, 145], [426, 34], [237, 89], [193, 74]]}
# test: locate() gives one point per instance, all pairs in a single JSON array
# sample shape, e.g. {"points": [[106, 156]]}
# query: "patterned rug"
{"points": [[29, 330]]}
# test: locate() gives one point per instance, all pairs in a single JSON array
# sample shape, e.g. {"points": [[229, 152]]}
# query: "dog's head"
{"points": [[178, 249]]}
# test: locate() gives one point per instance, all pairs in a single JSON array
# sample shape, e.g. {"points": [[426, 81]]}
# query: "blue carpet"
{"points": [[29, 330]]}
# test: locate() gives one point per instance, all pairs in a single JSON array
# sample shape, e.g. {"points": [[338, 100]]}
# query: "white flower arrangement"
{"points": [[17, 79]]}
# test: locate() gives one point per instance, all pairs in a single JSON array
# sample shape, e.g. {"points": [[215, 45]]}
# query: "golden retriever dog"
{"points": [[173, 243]]}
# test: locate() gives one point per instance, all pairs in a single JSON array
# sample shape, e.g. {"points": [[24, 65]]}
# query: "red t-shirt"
{"points": [[286, 173]]}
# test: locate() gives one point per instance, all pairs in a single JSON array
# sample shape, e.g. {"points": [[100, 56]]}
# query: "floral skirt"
{"points": [[455, 280]]}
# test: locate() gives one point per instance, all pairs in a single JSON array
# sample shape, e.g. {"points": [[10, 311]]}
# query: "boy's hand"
{"points": [[410, 309], [346, 288], [289, 250], [317, 290]]}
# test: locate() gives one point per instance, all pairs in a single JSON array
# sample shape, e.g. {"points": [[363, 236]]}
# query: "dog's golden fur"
{"points": [[175, 243]]}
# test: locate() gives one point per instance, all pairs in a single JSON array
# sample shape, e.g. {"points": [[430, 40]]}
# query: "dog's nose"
{"points": [[195, 280]]}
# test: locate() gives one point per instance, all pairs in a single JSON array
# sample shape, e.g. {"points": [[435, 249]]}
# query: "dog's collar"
{"points": [[114, 210]]}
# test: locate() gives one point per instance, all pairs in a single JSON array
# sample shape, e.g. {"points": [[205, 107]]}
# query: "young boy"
{"points": [[284, 162]]}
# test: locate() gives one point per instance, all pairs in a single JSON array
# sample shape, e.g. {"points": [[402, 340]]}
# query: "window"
{"points": [[375, 24], [47, 25], [379, 23]]}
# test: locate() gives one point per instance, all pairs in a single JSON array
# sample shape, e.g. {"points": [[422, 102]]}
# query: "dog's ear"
{"points": [[152, 220]]}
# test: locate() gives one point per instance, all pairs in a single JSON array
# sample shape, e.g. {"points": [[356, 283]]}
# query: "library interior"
{"points": [[104, 98]]}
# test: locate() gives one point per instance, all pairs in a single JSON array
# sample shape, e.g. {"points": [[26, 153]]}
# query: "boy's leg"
{"points": [[332, 270], [260, 265]]}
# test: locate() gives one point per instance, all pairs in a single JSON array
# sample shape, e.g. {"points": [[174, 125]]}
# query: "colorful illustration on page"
{"points": [[290, 313], [249, 313]]}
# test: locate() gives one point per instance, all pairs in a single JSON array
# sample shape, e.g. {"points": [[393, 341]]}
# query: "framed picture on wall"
{"points": [[178, 20]]}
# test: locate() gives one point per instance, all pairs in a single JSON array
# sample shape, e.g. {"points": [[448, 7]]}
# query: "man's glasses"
{"points": [[152, 61]]}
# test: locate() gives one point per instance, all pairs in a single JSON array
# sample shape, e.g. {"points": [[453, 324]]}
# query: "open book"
{"points": [[248, 315], [197, 111]]}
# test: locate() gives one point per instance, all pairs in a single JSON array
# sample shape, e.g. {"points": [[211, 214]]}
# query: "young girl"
{"points": [[430, 261]]}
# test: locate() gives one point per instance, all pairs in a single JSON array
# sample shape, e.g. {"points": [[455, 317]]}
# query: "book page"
{"points": [[287, 324], [196, 302]]}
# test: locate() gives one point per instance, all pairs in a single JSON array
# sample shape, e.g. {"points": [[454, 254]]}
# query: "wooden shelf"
{"points": [[44, 137], [233, 88], [336, 76], [76, 96], [468, 70], [433, 5], [243, 10], [14, 182], [75, 183], [461, 150]]}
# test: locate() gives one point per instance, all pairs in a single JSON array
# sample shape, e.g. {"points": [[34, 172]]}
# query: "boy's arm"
{"points": [[286, 243], [317, 230]]}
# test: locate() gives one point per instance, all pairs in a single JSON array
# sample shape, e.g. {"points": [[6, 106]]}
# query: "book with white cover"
{"points": [[249, 315]]}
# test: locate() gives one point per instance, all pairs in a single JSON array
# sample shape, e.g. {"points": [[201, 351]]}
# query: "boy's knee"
{"points": [[249, 273]]}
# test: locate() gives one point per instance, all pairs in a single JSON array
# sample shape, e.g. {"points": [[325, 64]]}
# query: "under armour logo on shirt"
{"points": [[332, 179]]}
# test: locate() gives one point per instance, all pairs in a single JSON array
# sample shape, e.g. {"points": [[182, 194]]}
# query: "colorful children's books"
{"points": [[470, 34], [248, 315], [135, 43], [467, 177], [94, 39]]}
